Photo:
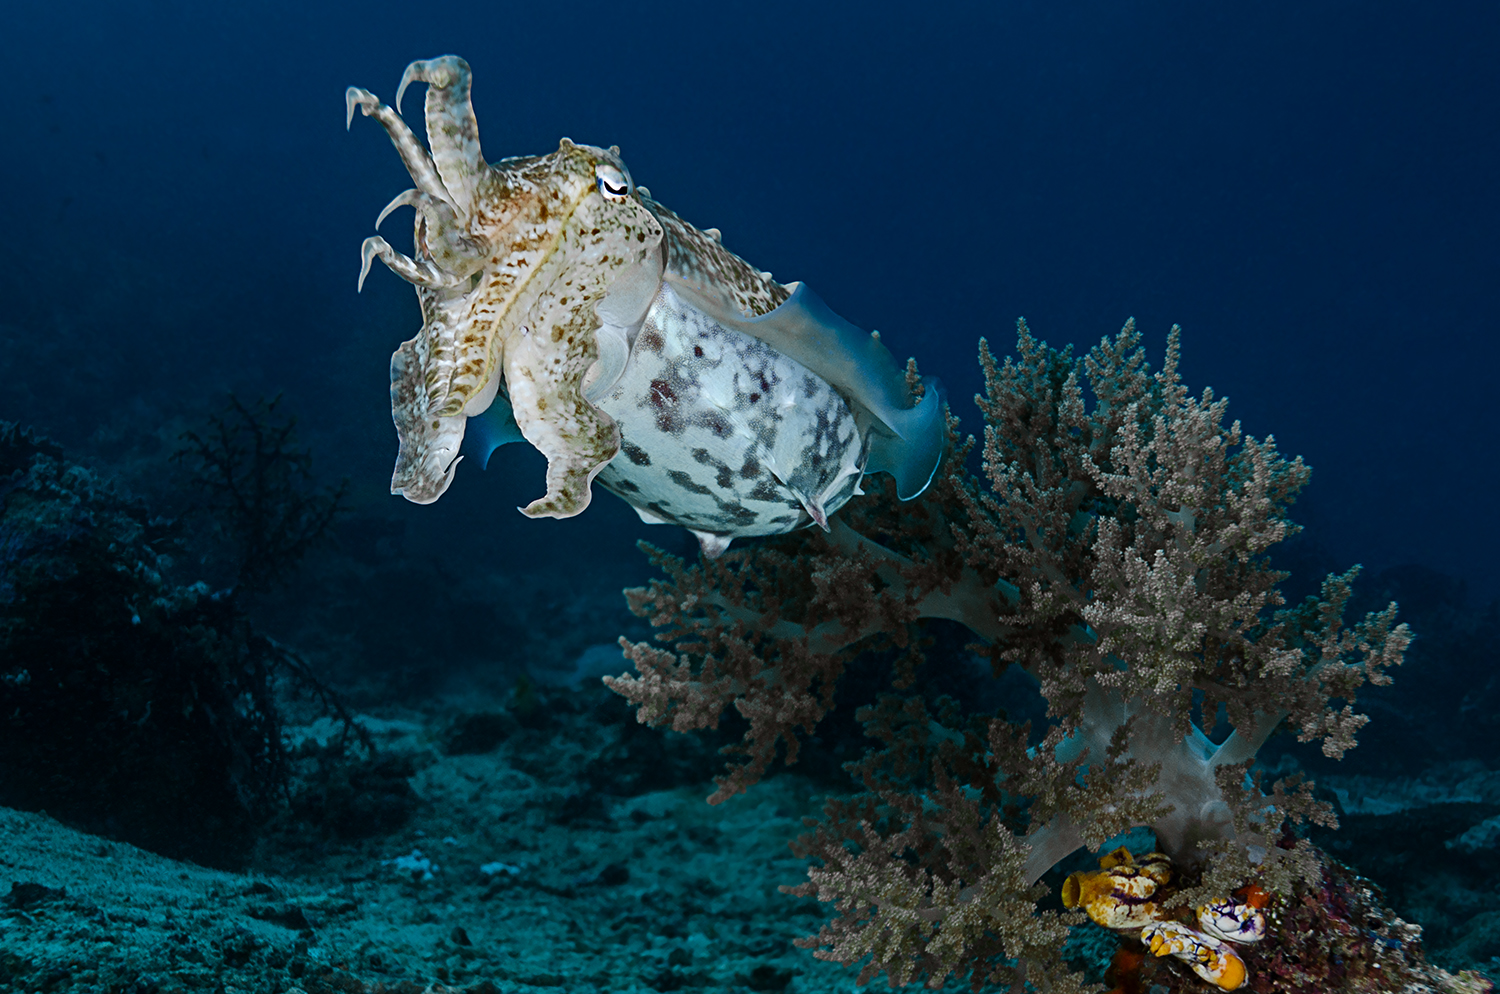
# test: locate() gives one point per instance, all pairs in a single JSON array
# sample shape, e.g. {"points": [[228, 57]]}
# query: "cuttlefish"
{"points": [[563, 306]]}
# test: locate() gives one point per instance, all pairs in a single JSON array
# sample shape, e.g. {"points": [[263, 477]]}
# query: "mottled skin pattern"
{"points": [[772, 447], [591, 306], [699, 260], [509, 261]]}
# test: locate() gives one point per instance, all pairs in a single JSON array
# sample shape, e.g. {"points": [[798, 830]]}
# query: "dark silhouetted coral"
{"points": [[259, 490], [134, 707]]}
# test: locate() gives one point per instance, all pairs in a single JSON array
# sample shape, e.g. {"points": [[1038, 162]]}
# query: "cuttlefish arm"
{"points": [[413, 153], [545, 368], [452, 131], [444, 256], [509, 261], [446, 178]]}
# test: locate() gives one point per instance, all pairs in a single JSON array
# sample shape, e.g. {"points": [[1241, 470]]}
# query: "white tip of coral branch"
{"points": [[403, 199]]}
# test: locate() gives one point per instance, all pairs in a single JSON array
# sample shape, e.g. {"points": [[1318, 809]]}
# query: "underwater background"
{"points": [[1307, 189]]}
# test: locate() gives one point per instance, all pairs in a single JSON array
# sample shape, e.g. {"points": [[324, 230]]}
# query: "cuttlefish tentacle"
{"points": [[406, 198], [452, 131], [414, 156], [444, 238], [418, 271]]}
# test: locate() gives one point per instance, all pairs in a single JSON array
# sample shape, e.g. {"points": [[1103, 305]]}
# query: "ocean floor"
{"points": [[517, 867], [505, 878]]}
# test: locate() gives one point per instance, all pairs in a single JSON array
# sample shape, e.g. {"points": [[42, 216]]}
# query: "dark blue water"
{"points": [[1307, 188]]}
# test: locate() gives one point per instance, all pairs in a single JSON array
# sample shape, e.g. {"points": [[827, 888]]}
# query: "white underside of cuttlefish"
{"points": [[563, 306]]}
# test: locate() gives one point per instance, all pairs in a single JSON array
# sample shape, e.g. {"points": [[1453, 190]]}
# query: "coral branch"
{"points": [[257, 482]]}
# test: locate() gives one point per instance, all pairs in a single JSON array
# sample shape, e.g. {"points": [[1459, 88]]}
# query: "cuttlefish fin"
{"points": [[908, 443], [494, 427]]}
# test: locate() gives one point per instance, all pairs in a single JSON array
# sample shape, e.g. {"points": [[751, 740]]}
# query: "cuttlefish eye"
{"points": [[613, 183]]}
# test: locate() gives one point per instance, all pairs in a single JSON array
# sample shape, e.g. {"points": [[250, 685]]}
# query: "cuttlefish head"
{"points": [[511, 261], [579, 228]]}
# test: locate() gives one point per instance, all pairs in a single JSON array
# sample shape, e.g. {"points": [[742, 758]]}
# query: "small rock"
{"points": [[613, 875], [24, 894], [473, 734], [286, 915], [768, 978]]}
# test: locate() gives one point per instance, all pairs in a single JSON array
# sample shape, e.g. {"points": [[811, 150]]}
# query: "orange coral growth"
{"points": [[1124, 973], [1252, 895]]}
